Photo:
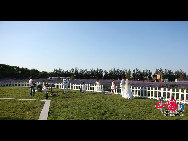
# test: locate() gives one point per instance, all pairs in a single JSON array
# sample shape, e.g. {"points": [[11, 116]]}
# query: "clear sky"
{"points": [[45, 45]]}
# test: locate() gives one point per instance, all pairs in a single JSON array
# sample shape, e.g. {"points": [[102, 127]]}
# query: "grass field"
{"points": [[79, 106]]}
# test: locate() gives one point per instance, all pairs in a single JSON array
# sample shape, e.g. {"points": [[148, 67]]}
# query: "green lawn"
{"points": [[20, 109], [80, 106]]}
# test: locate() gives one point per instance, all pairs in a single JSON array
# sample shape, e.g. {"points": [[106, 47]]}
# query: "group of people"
{"points": [[125, 87], [45, 87]]}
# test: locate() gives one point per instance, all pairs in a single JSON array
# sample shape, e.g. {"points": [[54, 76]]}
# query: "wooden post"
{"points": [[179, 95], [147, 92], [161, 92], [150, 93], [134, 91], [175, 92], [153, 93], [157, 93], [166, 93], [171, 94], [137, 92], [184, 96]]}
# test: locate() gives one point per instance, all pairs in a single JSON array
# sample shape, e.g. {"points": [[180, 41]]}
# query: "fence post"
{"points": [[157, 93], [150, 93], [147, 92], [134, 91], [162, 92], [171, 94], [179, 95], [140, 92], [175, 92], [73, 86], [184, 96], [137, 91], [166, 93], [70, 86]]}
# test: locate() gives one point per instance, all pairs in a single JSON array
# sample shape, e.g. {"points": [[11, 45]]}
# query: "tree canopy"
{"points": [[15, 72]]}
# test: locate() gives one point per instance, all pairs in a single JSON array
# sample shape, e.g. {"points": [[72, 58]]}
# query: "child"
{"points": [[45, 89], [113, 86]]}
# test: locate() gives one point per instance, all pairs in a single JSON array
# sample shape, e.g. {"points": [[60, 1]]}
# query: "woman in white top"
{"points": [[113, 86]]}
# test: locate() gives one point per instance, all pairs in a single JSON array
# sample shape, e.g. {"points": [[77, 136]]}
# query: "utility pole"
{"points": [[161, 79]]}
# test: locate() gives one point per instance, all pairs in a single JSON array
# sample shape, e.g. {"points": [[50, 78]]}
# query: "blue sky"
{"points": [[45, 45]]}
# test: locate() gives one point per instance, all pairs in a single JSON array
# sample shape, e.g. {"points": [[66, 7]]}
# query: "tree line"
{"points": [[15, 72]]}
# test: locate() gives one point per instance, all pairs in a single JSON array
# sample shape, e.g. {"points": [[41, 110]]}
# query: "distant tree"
{"points": [[7, 71], [34, 73], [43, 74], [128, 74]]}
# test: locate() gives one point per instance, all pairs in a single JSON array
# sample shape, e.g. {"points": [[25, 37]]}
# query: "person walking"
{"points": [[31, 84], [113, 87]]}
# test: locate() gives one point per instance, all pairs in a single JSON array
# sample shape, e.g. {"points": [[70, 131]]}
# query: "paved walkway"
{"points": [[44, 112]]}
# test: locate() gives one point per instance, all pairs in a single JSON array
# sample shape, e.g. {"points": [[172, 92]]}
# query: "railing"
{"points": [[89, 87], [156, 93], [144, 92]]}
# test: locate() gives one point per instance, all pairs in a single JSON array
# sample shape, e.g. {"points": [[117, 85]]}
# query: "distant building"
{"points": [[156, 77]]}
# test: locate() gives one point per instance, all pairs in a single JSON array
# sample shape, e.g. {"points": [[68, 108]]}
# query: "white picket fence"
{"points": [[89, 87], [144, 92], [156, 93]]}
